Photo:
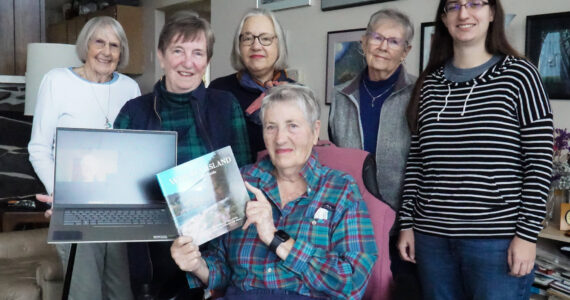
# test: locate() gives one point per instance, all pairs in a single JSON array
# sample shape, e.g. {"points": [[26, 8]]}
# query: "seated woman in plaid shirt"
{"points": [[308, 234]]}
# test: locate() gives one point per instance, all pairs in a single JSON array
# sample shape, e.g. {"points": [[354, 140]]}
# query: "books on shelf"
{"points": [[206, 195]]}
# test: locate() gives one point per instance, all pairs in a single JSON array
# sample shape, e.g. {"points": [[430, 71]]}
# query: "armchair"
{"points": [[29, 268]]}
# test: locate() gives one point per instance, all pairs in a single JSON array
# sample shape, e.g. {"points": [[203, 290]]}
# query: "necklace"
{"points": [[375, 97], [108, 124]]}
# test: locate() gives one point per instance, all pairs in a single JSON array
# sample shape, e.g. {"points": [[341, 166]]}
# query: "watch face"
{"points": [[282, 235], [567, 217]]}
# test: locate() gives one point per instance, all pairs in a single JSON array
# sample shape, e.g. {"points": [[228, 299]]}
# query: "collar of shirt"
{"points": [[161, 94], [267, 182]]}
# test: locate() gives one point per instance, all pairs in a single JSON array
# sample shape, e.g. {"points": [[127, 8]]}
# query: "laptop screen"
{"points": [[101, 166]]}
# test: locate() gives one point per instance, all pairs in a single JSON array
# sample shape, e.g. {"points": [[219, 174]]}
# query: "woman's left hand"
{"points": [[521, 255], [260, 214]]}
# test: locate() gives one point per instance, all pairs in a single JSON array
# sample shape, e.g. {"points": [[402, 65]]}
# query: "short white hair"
{"points": [[295, 93], [82, 44], [392, 15]]}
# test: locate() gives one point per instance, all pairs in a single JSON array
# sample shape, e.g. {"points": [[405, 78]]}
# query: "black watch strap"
{"points": [[279, 237]]}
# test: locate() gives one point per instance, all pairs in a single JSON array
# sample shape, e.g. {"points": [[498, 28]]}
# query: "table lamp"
{"points": [[43, 57]]}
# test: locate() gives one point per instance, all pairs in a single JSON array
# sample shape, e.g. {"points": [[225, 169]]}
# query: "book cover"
{"points": [[206, 195]]}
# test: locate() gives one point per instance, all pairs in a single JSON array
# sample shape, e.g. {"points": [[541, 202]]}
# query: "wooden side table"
{"points": [[11, 219]]}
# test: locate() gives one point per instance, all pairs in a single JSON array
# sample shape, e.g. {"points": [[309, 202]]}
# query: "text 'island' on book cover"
{"points": [[206, 195]]}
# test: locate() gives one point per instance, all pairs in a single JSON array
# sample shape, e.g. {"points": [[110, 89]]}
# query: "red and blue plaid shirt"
{"points": [[332, 256]]}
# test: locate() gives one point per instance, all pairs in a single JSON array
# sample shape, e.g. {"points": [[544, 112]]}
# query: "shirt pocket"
{"points": [[319, 233]]}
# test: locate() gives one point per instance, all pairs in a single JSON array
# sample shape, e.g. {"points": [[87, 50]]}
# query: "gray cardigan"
{"points": [[393, 134]]}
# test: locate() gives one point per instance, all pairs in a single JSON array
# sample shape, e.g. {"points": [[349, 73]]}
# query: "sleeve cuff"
{"points": [[193, 282], [298, 258]]}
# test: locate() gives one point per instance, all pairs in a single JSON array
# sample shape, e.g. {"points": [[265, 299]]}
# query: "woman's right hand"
{"points": [[188, 258], [406, 245], [46, 199]]}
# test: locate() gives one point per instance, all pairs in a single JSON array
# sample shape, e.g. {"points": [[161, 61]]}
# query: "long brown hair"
{"points": [[441, 51]]}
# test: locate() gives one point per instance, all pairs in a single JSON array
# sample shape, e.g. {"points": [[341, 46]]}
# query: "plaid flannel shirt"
{"points": [[332, 257]]}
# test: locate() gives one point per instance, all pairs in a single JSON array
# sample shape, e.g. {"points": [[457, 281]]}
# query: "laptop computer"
{"points": [[105, 186]]}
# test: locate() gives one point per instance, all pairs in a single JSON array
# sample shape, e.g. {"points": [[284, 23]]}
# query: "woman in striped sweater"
{"points": [[480, 162]]}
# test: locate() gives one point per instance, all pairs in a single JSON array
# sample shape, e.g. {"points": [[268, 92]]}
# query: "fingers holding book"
{"points": [[186, 254]]}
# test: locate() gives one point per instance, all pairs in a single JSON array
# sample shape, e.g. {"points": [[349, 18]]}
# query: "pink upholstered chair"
{"points": [[351, 161]]}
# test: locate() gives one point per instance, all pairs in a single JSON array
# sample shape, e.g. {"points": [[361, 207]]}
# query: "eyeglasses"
{"points": [[264, 39], [454, 6], [376, 39], [101, 44]]}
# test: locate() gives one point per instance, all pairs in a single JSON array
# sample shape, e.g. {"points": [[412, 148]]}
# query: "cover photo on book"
{"points": [[206, 195]]}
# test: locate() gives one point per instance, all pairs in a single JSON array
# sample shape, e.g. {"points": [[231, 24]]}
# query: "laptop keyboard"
{"points": [[104, 216]]}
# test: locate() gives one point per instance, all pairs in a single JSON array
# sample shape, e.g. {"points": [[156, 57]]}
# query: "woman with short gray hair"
{"points": [[91, 27], [307, 234], [259, 55], [86, 96], [298, 94], [369, 113]]}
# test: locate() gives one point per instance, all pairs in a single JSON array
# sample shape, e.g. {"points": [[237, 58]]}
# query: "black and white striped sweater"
{"points": [[481, 163]]}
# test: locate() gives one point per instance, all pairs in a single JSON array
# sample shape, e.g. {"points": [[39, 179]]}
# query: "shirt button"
{"points": [[314, 222], [269, 270]]}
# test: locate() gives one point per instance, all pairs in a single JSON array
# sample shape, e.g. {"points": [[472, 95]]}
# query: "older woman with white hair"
{"points": [[259, 55], [308, 233], [88, 96], [369, 113]]}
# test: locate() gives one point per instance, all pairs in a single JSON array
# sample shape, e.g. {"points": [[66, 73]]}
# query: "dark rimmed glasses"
{"points": [[454, 6], [265, 39]]}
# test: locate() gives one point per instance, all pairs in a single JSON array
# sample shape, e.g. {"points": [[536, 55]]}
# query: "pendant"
{"points": [[108, 124]]}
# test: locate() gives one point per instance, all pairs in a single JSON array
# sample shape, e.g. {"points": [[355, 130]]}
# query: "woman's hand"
{"points": [[188, 258], [260, 214], [46, 199], [406, 245], [521, 255]]}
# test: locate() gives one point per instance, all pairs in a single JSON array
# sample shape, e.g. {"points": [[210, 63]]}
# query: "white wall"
{"points": [[307, 27]]}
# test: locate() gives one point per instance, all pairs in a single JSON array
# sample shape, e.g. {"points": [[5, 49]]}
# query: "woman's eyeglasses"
{"points": [[454, 6], [265, 39], [101, 44], [376, 39]]}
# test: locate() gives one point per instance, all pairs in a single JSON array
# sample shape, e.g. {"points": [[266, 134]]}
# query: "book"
{"points": [[206, 196]]}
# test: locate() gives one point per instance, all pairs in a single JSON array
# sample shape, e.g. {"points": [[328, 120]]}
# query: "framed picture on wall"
{"points": [[344, 58], [548, 47], [427, 30], [337, 4], [281, 4]]}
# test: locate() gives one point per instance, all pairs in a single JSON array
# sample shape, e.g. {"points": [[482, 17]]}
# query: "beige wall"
{"points": [[306, 30], [307, 27]]}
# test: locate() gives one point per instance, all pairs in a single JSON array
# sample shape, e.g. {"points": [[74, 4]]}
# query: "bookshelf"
{"points": [[552, 232]]}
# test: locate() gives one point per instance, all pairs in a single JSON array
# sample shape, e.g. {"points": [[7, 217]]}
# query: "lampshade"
{"points": [[43, 57]]}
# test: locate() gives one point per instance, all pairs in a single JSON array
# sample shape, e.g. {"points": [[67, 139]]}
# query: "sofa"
{"points": [[30, 269]]}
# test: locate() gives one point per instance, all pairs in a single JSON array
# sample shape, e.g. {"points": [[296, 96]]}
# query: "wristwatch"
{"points": [[280, 237]]}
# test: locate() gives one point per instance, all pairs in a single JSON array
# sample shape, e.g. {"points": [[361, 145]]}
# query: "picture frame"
{"points": [[281, 4], [338, 4], [427, 30], [344, 58], [547, 45]]}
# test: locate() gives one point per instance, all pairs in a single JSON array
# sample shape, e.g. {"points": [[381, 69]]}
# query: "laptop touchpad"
{"points": [[67, 235]]}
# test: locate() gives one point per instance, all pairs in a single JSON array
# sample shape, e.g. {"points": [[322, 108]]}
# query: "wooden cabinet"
{"points": [[66, 32], [21, 22], [130, 18]]}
